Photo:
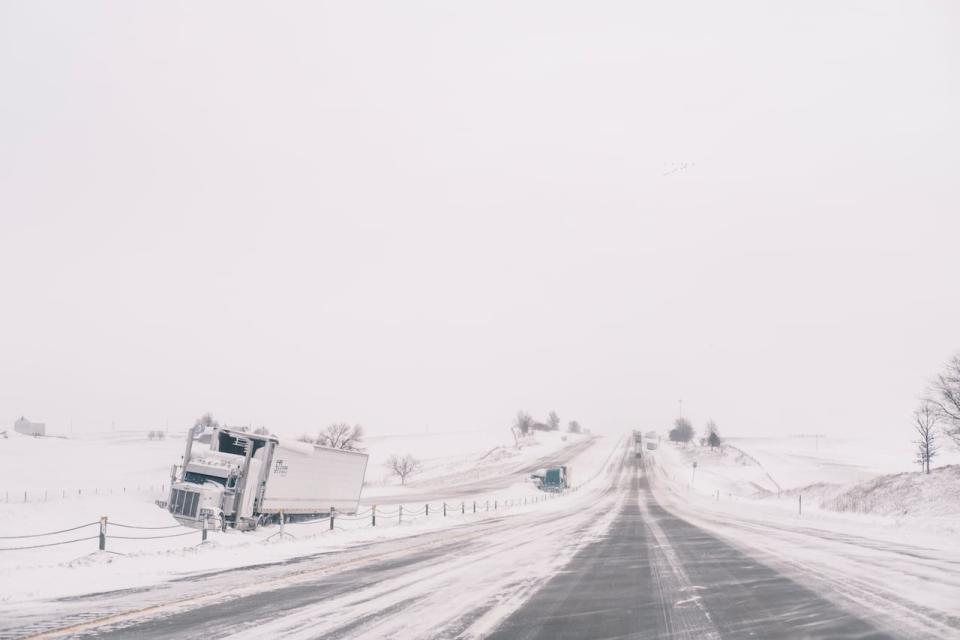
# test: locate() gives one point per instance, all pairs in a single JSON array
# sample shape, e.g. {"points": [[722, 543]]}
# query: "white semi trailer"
{"points": [[242, 480]]}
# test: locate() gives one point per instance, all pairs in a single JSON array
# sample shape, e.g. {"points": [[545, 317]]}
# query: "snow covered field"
{"points": [[112, 463]]}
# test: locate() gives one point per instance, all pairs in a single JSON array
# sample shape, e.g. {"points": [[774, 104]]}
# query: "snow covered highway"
{"points": [[607, 561], [453, 486]]}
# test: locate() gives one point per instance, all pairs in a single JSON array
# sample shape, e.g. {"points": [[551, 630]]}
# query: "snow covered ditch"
{"points": [[137, 557]]}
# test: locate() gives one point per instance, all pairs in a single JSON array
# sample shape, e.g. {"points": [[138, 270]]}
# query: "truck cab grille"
{"points": [[184, 503]]}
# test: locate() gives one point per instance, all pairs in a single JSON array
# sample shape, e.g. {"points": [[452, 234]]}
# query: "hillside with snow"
{"points": [[823, 478]]}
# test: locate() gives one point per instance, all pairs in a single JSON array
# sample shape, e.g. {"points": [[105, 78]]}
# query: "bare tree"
{"points": [[341, 435], [682, 431], [945, 396], [523, 423], [574, 427], [206, 421], [714, 440], [925, 420], [711, 428], [402, 466], [553, 421]]}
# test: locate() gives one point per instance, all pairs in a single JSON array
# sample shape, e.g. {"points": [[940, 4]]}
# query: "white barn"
{"points": [[26, 427]]}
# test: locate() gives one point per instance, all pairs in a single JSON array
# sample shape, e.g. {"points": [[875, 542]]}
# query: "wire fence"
{"points": [[102, 535], [371, 515], [60, 493]]}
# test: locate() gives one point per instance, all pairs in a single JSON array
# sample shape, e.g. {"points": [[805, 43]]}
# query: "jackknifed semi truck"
{"points": [[243, 480]]}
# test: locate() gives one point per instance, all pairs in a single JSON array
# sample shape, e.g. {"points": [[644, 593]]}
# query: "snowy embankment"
{"points": [[841, 480], [892, 556], [135, 557]]}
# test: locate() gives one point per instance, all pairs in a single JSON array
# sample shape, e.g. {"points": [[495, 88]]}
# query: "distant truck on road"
{"points": [[652, 440], [243, 480], [637, 444], [553, 478]]}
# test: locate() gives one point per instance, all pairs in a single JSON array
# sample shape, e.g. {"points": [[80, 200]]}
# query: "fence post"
{"points": [[800, 504], [374, 515], [204, 536], [463, 509], [494, 505], [444, 509], [428, 509], [400, 517], [103, 533], [24, 496], [283, 521], [333, 514], [488, 505], [474, 506]]}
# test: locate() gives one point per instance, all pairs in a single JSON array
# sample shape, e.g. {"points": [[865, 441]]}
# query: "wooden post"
{"points": [[333, 514], [474, 506], [444, 509], [428, 509], [462, 509], [400, 516], [374, 515], [204, 536], [800, 504], [103, 533]]}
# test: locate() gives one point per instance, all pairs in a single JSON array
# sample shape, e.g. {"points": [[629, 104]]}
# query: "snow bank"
{"points": [[735, 482], [795, 462], [933, 495]]}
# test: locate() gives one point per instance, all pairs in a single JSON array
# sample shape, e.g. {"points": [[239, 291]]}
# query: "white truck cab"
{"points": [[245, 479]]}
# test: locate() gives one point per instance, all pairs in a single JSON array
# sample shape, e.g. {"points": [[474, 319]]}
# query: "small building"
{"points": [[28, 428]]}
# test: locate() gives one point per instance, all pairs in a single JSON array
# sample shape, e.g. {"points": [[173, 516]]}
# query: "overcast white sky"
{"points": [[417, 215]]}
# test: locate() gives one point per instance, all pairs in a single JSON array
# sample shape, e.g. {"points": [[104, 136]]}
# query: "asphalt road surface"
{"points": [[656, 576], [649, 574]]}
